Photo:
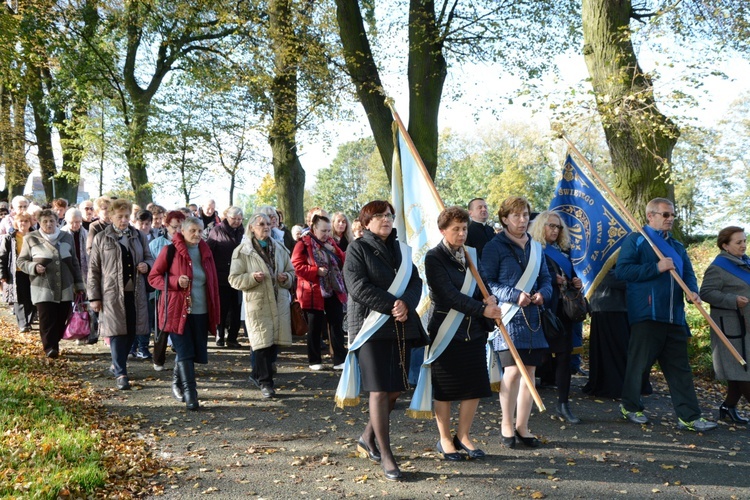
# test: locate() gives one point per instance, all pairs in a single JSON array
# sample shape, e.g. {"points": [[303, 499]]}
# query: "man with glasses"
{"points": [[222, 240], [87, 213], [656, 312]]}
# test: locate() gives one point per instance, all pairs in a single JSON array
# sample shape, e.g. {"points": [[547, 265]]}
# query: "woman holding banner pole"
{"points": [[458, 328], [726, 286], [384, 290], [512, 265]]}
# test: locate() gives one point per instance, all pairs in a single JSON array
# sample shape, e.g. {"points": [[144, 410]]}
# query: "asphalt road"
{"points": [[299, 445]]}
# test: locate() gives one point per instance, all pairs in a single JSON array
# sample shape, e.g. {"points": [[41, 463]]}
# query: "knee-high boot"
{"points": [[177, 384], [189, 390]]}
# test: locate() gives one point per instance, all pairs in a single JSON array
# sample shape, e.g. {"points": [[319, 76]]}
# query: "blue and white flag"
{"points": [[596, 229], [417, 206]]}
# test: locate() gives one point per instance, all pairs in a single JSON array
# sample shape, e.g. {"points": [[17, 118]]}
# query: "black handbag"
{"points": [[551, 325], [575, 305]]}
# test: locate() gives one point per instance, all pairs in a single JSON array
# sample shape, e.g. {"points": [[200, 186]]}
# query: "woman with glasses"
{"points": [[726, 286], [549, 229], [173, 225], [261, 269], [222, 240], [384, 288], [505, 259], [189, 310], [318, 262]]}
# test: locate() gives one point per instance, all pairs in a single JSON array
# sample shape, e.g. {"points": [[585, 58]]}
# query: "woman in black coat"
{"points": [[460, 372], [370, 268]]}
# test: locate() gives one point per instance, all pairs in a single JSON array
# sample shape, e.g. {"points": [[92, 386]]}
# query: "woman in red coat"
{"points": [[318, 262], [188, 308]]}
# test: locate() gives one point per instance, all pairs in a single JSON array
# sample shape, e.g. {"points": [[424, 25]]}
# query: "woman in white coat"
{"points": [[261, 269]]}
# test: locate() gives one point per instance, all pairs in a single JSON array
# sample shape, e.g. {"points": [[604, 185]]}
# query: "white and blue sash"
{"points": [[421, 402], [347, 392]]}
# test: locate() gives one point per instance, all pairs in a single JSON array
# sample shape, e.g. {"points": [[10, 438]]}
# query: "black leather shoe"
{"points": [[731, 413], [367, 452], [529, 442], [453, 457], [393, 475], [233, 344], [508, 442], [473, 454], [563, 411], [219, 342]]}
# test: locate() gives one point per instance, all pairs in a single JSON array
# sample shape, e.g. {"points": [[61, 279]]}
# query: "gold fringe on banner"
{"points": [[425, 415], [343, 403], [495, 386]]}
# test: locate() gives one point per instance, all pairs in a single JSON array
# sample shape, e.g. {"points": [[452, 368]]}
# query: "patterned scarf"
{"points": [[268, 254], [333, 281]]}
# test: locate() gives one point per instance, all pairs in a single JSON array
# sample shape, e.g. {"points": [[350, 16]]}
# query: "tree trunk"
{"points": [[42, 131], [12, 141], [639, 136], [363, 71], [134, 149], [287, 169], [427, 72]]}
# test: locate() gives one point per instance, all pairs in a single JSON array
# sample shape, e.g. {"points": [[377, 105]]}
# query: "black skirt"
{"points": [[533, 357], [460, 372], [381, 366], [608, 354]]}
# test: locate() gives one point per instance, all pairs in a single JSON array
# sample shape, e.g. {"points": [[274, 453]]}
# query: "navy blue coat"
{"points": [[653, 295], [503, 262]]}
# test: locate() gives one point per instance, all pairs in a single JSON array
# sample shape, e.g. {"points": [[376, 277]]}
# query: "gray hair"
{"points": [[268, 210], [233, 212], [72, 213], [253, 218], [191, 221], [16, 199]]}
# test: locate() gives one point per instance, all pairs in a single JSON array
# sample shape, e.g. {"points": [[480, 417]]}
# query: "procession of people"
{"points": [[203, 277]]}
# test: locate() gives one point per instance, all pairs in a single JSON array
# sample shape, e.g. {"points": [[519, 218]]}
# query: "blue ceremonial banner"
{"points": [[596, 229]]}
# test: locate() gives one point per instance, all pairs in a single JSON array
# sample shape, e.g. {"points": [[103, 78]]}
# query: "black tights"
{"points": [[562, 375], [378, 426], [735, 390]]}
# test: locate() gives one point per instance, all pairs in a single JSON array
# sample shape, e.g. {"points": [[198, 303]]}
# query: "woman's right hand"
{"points": [[40, 269], [400, 311], [259, 276], [741, 301], [524, 299], [492, 311], [95, 305], [183, 281]]}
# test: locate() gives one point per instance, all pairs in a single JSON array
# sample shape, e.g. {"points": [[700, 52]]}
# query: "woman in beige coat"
{"points": [[261, 269], [726, 286], [118, 264]]}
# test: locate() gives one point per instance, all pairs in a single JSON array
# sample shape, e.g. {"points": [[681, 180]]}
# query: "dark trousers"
{"points": [[119, 347], [262, 367], [333, 314], [652, 341], [23, 307], [193, 343], [230, 301], [52, 318]]}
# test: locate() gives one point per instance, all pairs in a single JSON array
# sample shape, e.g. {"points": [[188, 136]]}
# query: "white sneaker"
{"points": [[316, 368], [338, 367], [158, 368]]}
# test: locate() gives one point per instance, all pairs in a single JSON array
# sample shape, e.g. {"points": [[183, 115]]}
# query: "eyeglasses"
{"points": [[666, 215], [88, 208], [383, 216], [555, 226]]}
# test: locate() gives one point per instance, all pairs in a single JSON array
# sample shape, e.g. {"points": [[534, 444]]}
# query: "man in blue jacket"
{"points": [[658, 330]]}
